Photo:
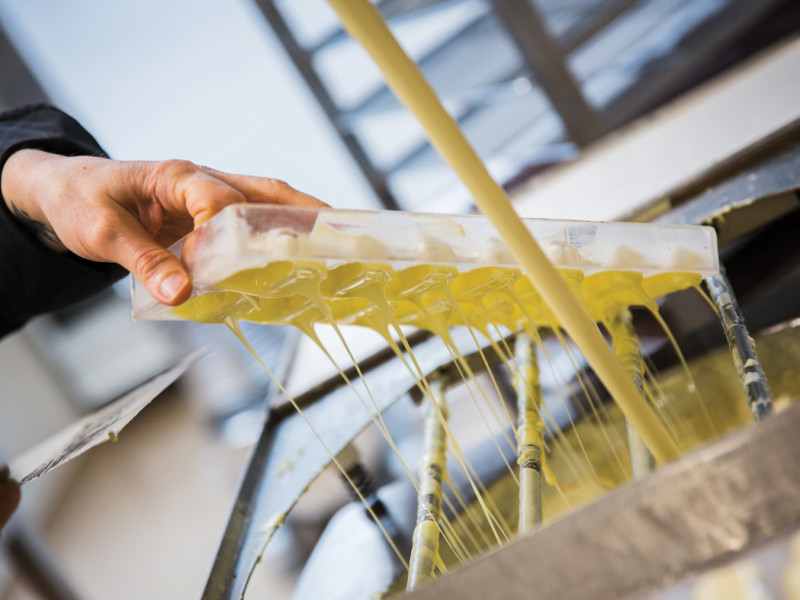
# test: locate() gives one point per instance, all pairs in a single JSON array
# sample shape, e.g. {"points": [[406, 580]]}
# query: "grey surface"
{"points": [[696, 512]]}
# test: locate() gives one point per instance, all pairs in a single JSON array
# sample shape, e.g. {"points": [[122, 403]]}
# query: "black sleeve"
{"points": [[34, 279]]}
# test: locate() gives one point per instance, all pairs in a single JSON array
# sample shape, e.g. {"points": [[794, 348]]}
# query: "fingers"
{"points": [[9, 496], [182, 187], [266, 190], [165, 193], [162, 273]]}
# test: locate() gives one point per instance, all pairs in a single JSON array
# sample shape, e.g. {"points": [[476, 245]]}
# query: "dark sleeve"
{"points": [[33, 279]]}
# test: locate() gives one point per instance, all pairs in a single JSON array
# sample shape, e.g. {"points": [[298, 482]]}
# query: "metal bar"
{"points": [[661, 78], [433, 466], [691, 514], [383, 91], [573, 39], [392, 10], [743, 347], [302, 61], [543, 57], [627, 348], [530, 433], [233, 563], [361, 485]]}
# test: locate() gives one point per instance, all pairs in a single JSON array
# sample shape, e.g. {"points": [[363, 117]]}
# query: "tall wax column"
{"points": [[425, 541], [530, 433], [363, 21]]}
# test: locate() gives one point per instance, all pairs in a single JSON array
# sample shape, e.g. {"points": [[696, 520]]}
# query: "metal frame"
{"points": [[302, 61], [573, 39], [706, 507], [543, 57], [268, 491], [545, 60]]}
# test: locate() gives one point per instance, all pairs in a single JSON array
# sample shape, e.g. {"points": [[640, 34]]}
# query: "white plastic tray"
{"points": [[247, 236]]}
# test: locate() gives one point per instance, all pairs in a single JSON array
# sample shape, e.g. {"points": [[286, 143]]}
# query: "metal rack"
{"points": [[530, 82]]}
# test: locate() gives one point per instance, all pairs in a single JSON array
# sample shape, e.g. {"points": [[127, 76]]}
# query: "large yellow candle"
{"points": [[363, 21]]}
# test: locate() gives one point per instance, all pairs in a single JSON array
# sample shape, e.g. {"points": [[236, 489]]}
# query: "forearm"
{"points": [[20, 175], [35, 279]]}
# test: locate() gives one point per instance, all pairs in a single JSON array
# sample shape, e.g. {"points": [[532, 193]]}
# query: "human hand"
{"points": [[128, 212], [9, 496]]}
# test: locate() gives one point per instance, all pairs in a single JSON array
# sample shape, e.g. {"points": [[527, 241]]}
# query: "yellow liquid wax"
{"points": [[421, 296], [435, 297], [613, 292], [423, 301]]}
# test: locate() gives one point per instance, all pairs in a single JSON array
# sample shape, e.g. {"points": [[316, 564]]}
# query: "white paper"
{"points": [[96, 428]]}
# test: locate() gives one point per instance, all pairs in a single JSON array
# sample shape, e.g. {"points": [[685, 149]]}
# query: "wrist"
{"points": [[20, 179]]}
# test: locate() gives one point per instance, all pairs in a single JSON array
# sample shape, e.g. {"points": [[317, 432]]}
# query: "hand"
{"points": [[128, 212], [9, 497]]}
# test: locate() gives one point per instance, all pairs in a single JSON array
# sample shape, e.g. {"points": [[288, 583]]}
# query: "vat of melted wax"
{"points": [[714, 376], [251, 259]]}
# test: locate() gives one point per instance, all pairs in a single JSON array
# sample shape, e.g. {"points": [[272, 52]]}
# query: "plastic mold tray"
{"points": [[248, 236]]}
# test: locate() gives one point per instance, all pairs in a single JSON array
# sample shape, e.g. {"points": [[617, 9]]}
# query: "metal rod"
{"points": [[530, 435], [302, 60], [544, 57], [425, 543], [626, 346], [573, 38], [263, 493], [363, 487], [743, 347]]}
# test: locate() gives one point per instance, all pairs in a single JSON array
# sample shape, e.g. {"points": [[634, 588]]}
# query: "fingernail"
{"points": [[172, 285]]}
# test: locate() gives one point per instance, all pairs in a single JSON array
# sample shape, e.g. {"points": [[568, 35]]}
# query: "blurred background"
{"points": [[275, 88]]}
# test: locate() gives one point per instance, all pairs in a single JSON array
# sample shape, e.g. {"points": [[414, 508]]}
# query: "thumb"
{"points": [[161, 272]]}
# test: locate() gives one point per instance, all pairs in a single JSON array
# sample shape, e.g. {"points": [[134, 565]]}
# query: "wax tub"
{"points": [[250, 236]]}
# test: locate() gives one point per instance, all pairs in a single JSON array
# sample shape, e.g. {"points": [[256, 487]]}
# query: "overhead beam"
{"points": [[543, 57]]}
